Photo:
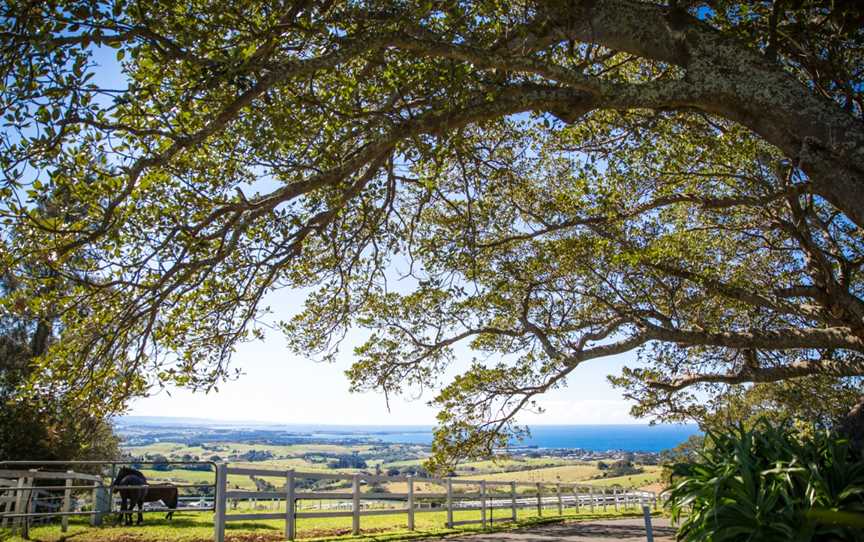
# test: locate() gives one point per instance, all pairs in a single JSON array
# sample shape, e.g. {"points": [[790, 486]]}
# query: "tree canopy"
{"points": [[42, 426], [549, 182]]}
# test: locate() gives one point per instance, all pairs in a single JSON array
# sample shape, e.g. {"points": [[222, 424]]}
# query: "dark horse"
{"points": [[134, 489]]}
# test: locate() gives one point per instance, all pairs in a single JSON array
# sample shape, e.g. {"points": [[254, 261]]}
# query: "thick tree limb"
{"points": [[783, 339], [766, 374]]}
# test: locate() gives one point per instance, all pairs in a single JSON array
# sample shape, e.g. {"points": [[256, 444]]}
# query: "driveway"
{"points": [[618, 530]]}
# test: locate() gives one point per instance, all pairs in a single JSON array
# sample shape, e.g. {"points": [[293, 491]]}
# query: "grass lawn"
{"points": [[651, 475], [198, 527], [564, 473], [511, 464]]}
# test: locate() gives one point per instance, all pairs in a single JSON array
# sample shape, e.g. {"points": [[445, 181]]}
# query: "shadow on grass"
{"points": [[553, 522]]}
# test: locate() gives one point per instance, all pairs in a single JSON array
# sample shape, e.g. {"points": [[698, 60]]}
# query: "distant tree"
{"points": [[254, 455], [159, 462], [349, 461], [647, 459], [622, 467], [686, 452]]}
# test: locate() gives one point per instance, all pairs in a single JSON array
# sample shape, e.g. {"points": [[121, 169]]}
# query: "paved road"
{"points": [[621, 530]]}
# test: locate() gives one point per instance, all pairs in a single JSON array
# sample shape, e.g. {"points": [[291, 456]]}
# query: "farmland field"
{"points": [[378, 458], [160, 458]]}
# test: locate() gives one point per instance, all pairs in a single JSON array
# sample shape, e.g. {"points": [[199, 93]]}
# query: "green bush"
{"points": [[770, 484]]}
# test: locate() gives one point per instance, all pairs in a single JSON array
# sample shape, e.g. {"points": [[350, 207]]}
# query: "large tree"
{"points": [[42, 426], [553, 183]]}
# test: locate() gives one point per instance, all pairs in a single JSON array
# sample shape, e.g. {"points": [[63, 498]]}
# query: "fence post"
{"points": [[646, 512], [577, 498], [513, 499], [19, 502], [483, 503], [290, 520], [104, 503], [605, 499], [449, 503], [560, 502], [615, 497], [94, 518], [219, 502], [591, 498], [355, 502], [410, 502], [110, 492], [67, 504], [539, 501], [28, 506]]}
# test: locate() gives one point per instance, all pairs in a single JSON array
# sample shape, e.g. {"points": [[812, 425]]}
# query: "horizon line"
{"points": [[330, 424]]}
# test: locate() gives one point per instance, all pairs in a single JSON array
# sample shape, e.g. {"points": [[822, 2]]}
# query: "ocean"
{"points": [[595, 438]]}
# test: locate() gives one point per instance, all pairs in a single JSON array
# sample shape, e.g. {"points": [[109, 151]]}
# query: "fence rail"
{"points": [[21, 488], [356, 503]]}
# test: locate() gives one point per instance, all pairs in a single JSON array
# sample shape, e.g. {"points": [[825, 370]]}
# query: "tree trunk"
{"points": [[853, 425]]}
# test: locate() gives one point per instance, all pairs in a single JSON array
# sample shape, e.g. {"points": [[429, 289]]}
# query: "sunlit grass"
{"points": [[198, 527]]}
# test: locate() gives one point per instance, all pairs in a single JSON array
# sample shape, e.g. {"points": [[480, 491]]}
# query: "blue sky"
{"points": [[278, 386]]}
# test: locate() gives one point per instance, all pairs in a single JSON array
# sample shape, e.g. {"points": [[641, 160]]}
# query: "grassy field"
{"points": [[565, 473], [198, 527], [225, 448], [650, 476], [530, 470]]}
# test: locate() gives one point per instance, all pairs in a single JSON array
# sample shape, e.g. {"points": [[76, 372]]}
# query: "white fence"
{"points": [[491, 495], [22, 491], [30, 495], [25, 498]]}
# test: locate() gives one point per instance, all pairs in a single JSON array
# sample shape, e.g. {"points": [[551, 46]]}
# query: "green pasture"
{"points": [[198, 527], [650, 476], [224, 449], [586, 473], [564, 473], [506, 464]]}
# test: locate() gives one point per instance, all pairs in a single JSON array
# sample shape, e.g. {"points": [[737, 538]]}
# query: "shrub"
{"points": [[770, 484]]}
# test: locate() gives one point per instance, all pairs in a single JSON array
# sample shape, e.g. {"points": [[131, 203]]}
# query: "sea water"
{"points": [[595, 438]]}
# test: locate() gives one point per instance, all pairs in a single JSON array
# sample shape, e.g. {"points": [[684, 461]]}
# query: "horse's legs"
{"points": [[171, 503], [140, 511], [119, 512]]}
